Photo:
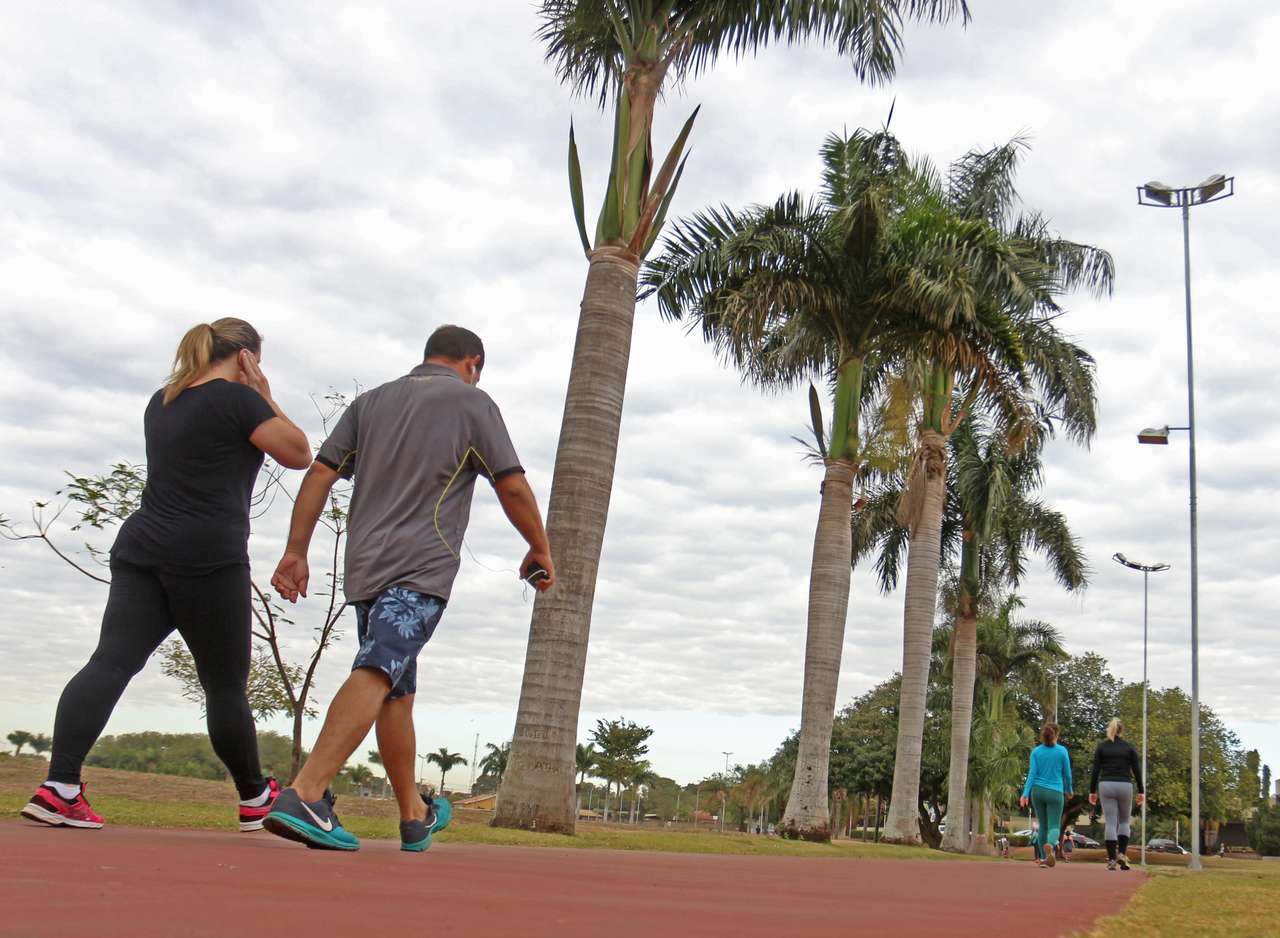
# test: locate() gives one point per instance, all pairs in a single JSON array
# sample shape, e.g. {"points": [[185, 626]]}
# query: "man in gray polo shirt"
{"points": [[414, 447]]}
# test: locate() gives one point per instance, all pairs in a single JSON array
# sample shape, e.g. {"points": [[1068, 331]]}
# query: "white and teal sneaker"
{"points": [[416, 835], [309, 822]]}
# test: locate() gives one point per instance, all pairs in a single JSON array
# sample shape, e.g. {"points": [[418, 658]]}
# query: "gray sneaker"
{"points": [[309, 822], [415, 836]]}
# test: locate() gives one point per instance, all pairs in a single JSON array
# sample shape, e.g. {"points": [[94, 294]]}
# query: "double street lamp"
{"points": [[1161, 195], [1147, 570]]}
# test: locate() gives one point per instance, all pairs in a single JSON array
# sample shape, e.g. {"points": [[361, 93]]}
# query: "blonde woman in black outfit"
{"points": [[181, 562], [1116, 767]]}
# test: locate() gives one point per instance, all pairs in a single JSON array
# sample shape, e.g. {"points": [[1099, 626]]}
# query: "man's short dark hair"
{"points": [[455, 344]]}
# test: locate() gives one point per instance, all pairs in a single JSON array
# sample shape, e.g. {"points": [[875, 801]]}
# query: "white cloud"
{"points": [[349, 176]]}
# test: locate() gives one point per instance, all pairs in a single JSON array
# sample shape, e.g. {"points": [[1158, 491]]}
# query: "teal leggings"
{"points": [[1048, 808]]}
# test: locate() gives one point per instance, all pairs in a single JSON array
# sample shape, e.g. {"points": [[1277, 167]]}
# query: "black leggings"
{"points": [[213, 616]]}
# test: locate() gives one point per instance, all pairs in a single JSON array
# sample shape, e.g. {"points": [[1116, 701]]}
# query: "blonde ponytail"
{"points": [[1114, 728], [204, 345]]}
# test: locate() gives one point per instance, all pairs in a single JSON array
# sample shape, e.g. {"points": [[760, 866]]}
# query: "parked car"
{"points": [[1026, 833], [1080, 840], [1164, 846]]}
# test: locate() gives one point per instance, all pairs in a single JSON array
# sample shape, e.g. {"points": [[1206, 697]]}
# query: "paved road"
{"points": [[132, 881]]}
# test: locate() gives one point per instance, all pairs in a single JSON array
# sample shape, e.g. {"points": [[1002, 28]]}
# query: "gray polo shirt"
{"points": [[414, 447]]}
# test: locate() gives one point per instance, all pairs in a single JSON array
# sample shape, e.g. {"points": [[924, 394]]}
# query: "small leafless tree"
{"points": [[276, 685]]}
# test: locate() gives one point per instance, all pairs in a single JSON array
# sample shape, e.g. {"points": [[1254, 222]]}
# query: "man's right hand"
{"points": [[291, 576], [543, 558]]}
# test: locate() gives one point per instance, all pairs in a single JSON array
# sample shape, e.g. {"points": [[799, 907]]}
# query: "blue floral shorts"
{"points": [[392, 630]]}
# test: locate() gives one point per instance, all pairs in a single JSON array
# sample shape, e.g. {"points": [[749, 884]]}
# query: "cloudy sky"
{"points": [[347, 177]]}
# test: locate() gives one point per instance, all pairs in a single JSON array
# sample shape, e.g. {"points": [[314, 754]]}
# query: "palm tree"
{"points": [[359, 774], [375, 757], [1057, 382], [990, 523], [999, 523], [878, 270], [586, 762], [625, 52], [18, 739], [494, 763], [446, 760], [641, 776], [1018, 652]]}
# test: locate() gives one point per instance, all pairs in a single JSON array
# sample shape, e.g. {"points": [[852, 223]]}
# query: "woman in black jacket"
{"points": [[1116, 768]]}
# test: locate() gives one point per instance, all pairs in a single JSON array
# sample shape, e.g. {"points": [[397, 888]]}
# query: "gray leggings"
{"points": [[1117, 805]]}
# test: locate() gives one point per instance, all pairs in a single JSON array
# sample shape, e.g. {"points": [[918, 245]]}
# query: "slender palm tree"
{"points": [[1018, 653], [1059, 383], [1000, 522], [446, 760], [878, 270], [991, 523], [640, 777], [359, 775], [375, 757], [624, 52], [587, 760], [18, 739], [494, 763]]}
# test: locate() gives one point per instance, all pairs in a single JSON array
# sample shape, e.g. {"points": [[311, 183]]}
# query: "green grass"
{"points": [[135, 813], [127, 811], [1230, 899]]}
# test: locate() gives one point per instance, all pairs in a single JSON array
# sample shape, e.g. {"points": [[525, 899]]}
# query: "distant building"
{"points": [[478, 803]]}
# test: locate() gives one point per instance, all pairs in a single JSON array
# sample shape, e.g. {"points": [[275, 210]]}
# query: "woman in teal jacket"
{"points": [[1048, 783]]}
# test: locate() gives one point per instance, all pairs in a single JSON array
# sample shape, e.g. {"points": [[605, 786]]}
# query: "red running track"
{"points": [[132, 881]]}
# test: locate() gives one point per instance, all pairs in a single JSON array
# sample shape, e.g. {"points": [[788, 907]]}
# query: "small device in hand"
{"points": [[535, 573]]}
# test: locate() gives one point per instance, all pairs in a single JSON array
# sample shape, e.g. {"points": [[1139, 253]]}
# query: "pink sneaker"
{"points": [[49, 807], [251, 818]]}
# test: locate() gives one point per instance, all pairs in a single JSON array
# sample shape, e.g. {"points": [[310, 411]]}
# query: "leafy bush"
{"points": [[186, 754], [1263, 830]]}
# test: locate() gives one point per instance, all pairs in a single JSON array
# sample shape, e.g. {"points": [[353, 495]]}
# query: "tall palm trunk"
{"points": [[928, 493], [807, 816], [964, 676], [537, 790], [964, 671]]}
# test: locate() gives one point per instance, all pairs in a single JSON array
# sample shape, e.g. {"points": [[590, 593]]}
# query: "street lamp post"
{"points": [[1160, 195], [1147, 570]]}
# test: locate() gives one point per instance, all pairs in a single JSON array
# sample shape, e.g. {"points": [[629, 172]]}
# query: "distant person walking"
{"points": [[181, 562], [1116, 768], [414, 447], [1048, 783]]}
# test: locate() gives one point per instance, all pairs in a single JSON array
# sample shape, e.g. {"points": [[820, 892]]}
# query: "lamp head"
{"points": [[1154, 435], [1145, 568], [1212, 186], [1159, 192]]}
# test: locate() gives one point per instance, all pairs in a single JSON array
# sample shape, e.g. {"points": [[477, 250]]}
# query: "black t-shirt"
{"points": [[194, 516], [1116, 760]]}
